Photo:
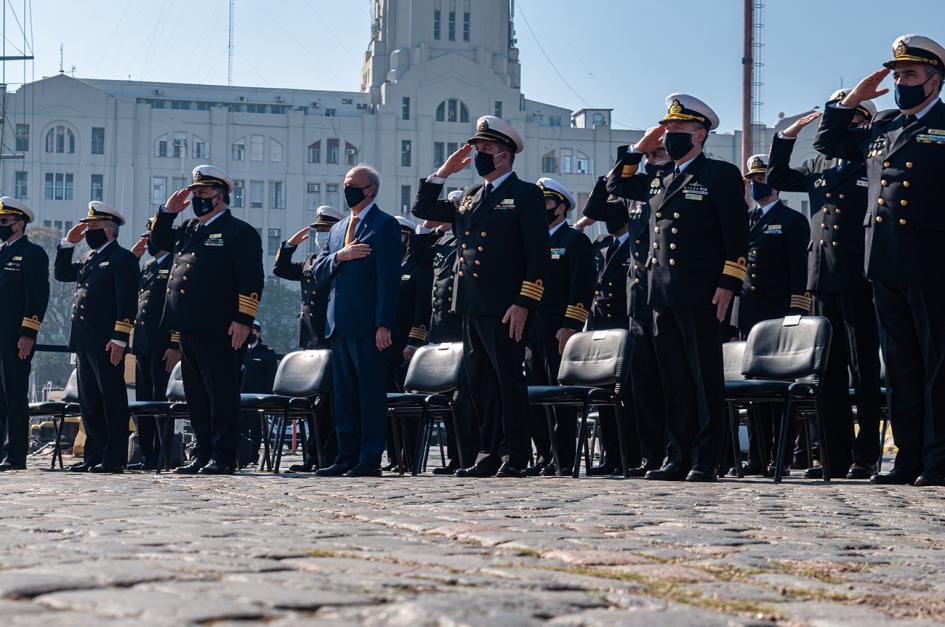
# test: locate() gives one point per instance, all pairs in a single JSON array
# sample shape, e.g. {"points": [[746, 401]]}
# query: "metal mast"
{"points": [[229, 48]]}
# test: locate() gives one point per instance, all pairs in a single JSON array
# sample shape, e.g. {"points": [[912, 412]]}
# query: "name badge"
{"points": [[696, 188], [214, 242], [103, 264], [507, 205], [773, 229], [694, 197], [862, 182]]}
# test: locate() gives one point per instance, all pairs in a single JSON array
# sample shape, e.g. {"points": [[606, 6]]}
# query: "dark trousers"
{"points": [[649, 403], [854, 348], [359, 379], [689, 354], [499, 394], [150, 385], [912, 318], [542, 361], [211, 371], [103, 401], [14, 403]]}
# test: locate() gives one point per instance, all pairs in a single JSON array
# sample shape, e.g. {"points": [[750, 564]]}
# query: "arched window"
{"points": [[60, 139], [315, 152], [452, 110]]}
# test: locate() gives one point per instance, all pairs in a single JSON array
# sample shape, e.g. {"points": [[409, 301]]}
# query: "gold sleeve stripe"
{"points": [[175, 336], [531, 292], [735, 269], [249, 305], [628, 170], [31, 323], [576, 312], [418, 333], [800, 301], [124, 326]]}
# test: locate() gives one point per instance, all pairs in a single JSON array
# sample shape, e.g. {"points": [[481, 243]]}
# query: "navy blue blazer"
{"points": [[363, 292]]}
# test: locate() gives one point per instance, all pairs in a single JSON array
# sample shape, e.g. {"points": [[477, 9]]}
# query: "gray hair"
{"points": [[372, 176], [114, 228]]}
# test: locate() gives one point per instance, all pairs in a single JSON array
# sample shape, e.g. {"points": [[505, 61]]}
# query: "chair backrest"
{"points": [[733, 358], [788, 348], [175, 386], [303, 374], [71, 393], [596, 359], [435, 369]]}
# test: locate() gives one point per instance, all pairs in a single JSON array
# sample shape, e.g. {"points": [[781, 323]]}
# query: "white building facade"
{"points": [[431, 69]]}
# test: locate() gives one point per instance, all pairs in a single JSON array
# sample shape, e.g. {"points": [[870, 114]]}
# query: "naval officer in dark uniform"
{"points": [[24, 284], [156, 350], [699, 228], [312, 317], [212, 298], [502, 236], [563, 311], [102, 314], [775, 285], [905, 235], [837, 189]]}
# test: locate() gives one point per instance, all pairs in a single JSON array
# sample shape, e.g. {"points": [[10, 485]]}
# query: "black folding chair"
{"points": [[593, 371], [298, 391], [784, 361], [733, 357], [58, 411], [163, 412], [431, 390]]}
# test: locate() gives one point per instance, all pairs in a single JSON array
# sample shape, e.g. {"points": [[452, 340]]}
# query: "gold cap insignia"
{"points": [[198, 176], [483, 126], [757, 163], [675, 108], [901, 50], [91, 213]]}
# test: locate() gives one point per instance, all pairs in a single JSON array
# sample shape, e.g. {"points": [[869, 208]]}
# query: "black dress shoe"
{"points": [[703, 474], [769, 471], [861, 471], [363, 470], [449, 469], [602, 470], [306, 467], [7, 465], [670, 472], [143, 466], [752, 469], [80, 467], [218, 468], [549, 471], [817, 472], [190, 469], [335, 470], [508, 471], [636, 471], [930, 478], [477, 471], [107, 469], [893, 477]]}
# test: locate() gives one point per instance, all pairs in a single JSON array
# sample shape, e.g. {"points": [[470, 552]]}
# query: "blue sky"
{"points": [[623, 54]]}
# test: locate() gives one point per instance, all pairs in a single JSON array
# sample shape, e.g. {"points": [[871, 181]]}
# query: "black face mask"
{"points": [[485, 163], [6, 232], [252, 339], [652, 168], [552, 213], [614, 226], [354, 195], [678, 145], [202, 206], [911, 96], [760, 191], [95, 238], [152, 249]]}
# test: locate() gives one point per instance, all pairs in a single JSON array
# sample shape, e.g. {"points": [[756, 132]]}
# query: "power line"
{"points": [[548, 59]]}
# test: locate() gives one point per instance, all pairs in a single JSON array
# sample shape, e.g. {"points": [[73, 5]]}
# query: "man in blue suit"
{"points": [[361, 268]]}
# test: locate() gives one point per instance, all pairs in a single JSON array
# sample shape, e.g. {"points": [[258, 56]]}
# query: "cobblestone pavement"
{"points": [[292, 549]]}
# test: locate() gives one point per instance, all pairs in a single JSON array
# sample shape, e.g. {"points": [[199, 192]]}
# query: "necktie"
{"points": [[352, 227], [488, 190], [756, 215], [612, 249]]}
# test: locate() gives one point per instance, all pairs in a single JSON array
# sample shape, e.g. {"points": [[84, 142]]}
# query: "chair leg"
{"points": [[821, 436], [782, 438], [398, 443], [733, 425], [423, 445], [581, 439], [159, 428], [57, 447], [318, 438], [592, 447], [809, 442], [303, 435], [619, 414], [440, 436], [882, 442], [266, 435], [280, 442], [556, 459]]}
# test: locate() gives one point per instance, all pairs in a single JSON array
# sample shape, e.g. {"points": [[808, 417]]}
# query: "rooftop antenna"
{"points": [[61, 71], [229, 48]]}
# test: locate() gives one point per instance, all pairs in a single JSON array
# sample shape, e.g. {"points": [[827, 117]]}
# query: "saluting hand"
{"points": [[115, 352], [516, 317], [238, 334], [299, 237], [867, 89], [140, 246], [456, 161], [76, 233], [795, 128], [651, 139], [178, 201]]}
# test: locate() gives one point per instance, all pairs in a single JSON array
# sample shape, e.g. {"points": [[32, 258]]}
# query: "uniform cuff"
{"points": [[531, 293], [418, 333], [249, 305], [29, 327], [801, 302], [575, 316], [436, 180], [64, 243]]}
